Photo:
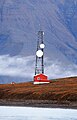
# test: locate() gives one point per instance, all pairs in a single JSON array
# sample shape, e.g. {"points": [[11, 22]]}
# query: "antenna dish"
{"points": [[43, 33], [42, 45], [39, 53]]}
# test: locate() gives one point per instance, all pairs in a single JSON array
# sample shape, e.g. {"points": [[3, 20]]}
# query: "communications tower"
{"points": [[39, 77]]}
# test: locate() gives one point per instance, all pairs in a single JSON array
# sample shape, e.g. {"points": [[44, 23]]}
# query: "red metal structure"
{"points": [[40, 79]]}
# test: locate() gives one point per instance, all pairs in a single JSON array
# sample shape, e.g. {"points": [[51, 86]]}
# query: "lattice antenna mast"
{"points": [[39, 68]]}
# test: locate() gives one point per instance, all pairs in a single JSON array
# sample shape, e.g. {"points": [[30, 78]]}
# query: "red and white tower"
{"points": [[39, 77]]}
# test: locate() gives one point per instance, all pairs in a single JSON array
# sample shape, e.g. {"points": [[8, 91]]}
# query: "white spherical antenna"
{"points": [[43, 33], [39, 53], [42, 45]]}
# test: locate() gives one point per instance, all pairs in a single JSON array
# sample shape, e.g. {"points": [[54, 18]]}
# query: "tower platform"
{"points": [[41, 79]]}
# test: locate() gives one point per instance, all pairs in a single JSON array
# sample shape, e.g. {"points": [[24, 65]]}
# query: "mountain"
{"points": [[21, 20], [46, 95]]}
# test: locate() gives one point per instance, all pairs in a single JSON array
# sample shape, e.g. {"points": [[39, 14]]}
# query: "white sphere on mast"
{"points": [[43, 33], [39, 53], [42, 45]]}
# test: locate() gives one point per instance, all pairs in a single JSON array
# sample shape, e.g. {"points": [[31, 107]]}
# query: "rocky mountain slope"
{"points": [[20, 22]]}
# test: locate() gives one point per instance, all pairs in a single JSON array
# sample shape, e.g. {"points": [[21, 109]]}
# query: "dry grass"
{"points": [[61, 90]]}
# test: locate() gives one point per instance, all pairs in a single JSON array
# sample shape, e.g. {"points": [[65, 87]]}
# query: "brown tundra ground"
{"points": [[59, 92]]}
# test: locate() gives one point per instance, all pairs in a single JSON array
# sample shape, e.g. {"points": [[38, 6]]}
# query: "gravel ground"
{"points": [[39, 103]]}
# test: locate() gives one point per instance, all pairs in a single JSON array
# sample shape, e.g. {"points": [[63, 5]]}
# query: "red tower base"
{"points": [[41, 79]]}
